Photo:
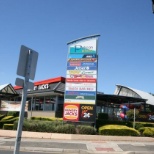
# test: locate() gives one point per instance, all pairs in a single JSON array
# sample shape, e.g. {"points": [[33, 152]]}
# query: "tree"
{"points": [[130, 114]]}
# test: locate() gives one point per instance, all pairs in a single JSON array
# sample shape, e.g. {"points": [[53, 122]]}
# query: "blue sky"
{"points": [[126, 44]]}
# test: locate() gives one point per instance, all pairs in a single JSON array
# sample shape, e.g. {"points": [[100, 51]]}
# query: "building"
{"points": [[47, 98]]}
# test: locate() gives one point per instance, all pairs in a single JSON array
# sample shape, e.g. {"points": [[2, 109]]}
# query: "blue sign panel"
{"points": [[82, 56], [81, 93], [80, 49], [81, 68], [82, 64]]}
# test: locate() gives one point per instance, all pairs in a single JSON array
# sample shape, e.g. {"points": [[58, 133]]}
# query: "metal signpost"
{"points": [[26, 68]]}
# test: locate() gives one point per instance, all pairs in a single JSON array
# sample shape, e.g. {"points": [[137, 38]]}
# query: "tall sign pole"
{"points": [[81, 80], [26, 68]]}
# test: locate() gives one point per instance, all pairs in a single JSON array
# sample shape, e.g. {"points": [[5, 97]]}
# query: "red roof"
{"points": [[48, 81]]}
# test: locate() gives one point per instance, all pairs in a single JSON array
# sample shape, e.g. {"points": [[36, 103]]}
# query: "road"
{"points": [[42, 146]]}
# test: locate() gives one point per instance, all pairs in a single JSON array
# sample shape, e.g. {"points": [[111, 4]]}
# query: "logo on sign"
{"points": [[41, 87], [71, 112], [81, 68]]}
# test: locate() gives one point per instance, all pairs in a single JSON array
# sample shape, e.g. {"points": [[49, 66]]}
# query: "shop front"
{"points": [[46, 98]]}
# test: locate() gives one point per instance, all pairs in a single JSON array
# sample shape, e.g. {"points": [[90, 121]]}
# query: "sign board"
{"points": [[81, 80], [22, 64]]}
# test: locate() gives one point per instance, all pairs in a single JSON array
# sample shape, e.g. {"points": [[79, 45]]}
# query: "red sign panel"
{"points": [[71, 112], [81, 80]]}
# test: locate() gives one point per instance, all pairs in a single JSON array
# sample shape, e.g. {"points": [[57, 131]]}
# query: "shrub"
{"points": [[143, 124], [66, 129], [15, 125], [83, 129], [8, 121], [100, 123], [8, 126], [141, 130], [38, 126], [58, 114], [46, 118], [13, 113], [130, 114], [102, 116], [118, 130], [148, 132], [138, 125], [7, 118], [2, 116]]}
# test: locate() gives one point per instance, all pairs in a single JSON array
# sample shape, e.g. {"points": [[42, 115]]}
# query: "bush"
{"points": [[13, 113], [138, 125], [66, 129], [2, 116], [7, 118], [103, 116], [143, 124], [83, 129], [130, 114], [100, 123], [8, 126], [58, 114], [39, 126], [148, 132], [8, 121], [46, 119], [118, 130]]}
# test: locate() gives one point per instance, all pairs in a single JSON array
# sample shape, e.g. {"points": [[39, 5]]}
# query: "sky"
{"points": [[125, 46]]}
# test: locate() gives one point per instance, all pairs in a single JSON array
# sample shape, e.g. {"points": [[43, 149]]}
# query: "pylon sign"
{"points": [[81, 80]]}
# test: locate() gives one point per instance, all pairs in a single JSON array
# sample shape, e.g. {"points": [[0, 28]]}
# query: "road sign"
{"points": [[22, 64], [26, 68]]}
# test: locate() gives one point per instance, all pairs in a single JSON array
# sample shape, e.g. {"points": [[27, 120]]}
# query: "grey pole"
{"points": [[23, 102], [134, 119], [31, 105]]}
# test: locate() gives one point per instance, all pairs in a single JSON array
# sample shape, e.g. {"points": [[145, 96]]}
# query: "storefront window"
{"points": [[43, 103]]}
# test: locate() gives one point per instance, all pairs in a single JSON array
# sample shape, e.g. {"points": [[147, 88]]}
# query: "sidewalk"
{"points": [[38, 135], [76, 143]]}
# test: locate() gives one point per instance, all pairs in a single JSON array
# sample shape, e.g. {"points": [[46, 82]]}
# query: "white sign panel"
{"points": [[80, 88], [92, 72]]}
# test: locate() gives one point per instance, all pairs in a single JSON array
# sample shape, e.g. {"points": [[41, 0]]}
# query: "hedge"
{"points": [[7, 118], [103, 116], [147, 131], [55, 127], [139, 125], [8, 126], [46, 118], [83, 129], [2, 116], [13, 113], [117, 130], [100, 123], [9, 121]]}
